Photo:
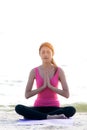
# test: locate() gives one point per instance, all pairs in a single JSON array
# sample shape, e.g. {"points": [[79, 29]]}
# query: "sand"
{"points": [[8, 120]]}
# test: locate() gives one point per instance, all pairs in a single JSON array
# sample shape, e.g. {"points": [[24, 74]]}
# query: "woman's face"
{"points": [[46, 54]]}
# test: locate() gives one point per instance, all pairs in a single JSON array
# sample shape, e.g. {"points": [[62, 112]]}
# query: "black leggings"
{"points": [[39, 113]]}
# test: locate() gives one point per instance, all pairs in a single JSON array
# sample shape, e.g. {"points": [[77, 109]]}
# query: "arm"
{"points": [[29, 92], [65, 90]]}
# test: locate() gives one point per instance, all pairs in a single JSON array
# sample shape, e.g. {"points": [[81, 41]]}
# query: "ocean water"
{"points": [[12, 90]]}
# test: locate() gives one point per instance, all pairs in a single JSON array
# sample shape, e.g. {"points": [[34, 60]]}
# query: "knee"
{"points": [[18, 108], [73, 110], [69, 111]]}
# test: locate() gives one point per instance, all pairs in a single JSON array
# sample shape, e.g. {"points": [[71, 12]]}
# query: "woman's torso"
{"points": [[47, 97]]}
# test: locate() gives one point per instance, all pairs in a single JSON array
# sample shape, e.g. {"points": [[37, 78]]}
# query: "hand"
{"points": [[48, 82], [45, 79]]}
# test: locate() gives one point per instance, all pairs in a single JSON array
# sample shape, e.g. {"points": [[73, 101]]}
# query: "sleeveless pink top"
{"points": [[47, 97]]}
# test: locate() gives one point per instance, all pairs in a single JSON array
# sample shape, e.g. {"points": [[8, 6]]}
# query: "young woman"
{"points": [[47, 76]]}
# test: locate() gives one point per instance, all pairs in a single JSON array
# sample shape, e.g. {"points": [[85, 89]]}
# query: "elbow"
{"points": [[26, 96], [67, 95]]}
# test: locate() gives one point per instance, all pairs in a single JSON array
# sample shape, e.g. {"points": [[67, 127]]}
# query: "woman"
{"points": [[47, 76]]}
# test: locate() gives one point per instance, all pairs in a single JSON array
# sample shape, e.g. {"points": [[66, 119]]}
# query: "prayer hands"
{"points": [[47, 79]]}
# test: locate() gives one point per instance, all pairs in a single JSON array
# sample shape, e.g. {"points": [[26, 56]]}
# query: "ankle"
{"points": [[48, 116]]}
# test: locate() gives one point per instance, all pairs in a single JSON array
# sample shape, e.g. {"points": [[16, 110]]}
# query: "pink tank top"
{"points": [[47, 97]]}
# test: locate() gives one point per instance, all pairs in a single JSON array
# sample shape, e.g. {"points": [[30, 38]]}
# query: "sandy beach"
{"points": [[8, 120]]}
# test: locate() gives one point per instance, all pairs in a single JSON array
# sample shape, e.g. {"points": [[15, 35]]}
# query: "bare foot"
{"points": [[61, 116]]}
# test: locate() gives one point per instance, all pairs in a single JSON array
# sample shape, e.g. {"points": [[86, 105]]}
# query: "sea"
{"points": [[12, 90]]}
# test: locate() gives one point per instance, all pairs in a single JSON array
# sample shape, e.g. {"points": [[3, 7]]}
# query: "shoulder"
{"points": [[33, 71], [60, 69], [61, 72]]}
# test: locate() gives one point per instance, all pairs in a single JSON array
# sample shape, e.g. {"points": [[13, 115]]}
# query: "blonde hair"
{"points": [[49, 45]]}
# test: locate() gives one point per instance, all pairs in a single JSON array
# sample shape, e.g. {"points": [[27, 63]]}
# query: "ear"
{"points": [[39, 54]]}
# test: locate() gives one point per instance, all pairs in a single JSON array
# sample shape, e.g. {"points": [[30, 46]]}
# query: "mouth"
{"points": [[45, 58]]}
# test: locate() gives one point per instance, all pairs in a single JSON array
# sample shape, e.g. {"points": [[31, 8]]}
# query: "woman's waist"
{"points": [[48, 95], [51, 98], [46, 102], [46, 99]]}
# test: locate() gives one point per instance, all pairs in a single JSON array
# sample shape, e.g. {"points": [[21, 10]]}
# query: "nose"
{"points": [[46, 55]]}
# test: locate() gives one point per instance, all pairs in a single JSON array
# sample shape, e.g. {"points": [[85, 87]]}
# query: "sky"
{"points": [[25, 24]]}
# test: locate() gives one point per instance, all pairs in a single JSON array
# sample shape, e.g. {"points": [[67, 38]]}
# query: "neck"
{"points": [[46, 65]]}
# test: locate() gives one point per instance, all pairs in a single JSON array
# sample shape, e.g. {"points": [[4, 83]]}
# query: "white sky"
{"points": [[25, 24]]}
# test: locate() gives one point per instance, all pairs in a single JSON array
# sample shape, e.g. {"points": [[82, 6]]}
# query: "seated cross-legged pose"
{"points": [[47, 76]]}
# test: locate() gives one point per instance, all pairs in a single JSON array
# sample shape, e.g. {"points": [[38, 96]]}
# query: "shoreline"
{"points": [[80, 106]]}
